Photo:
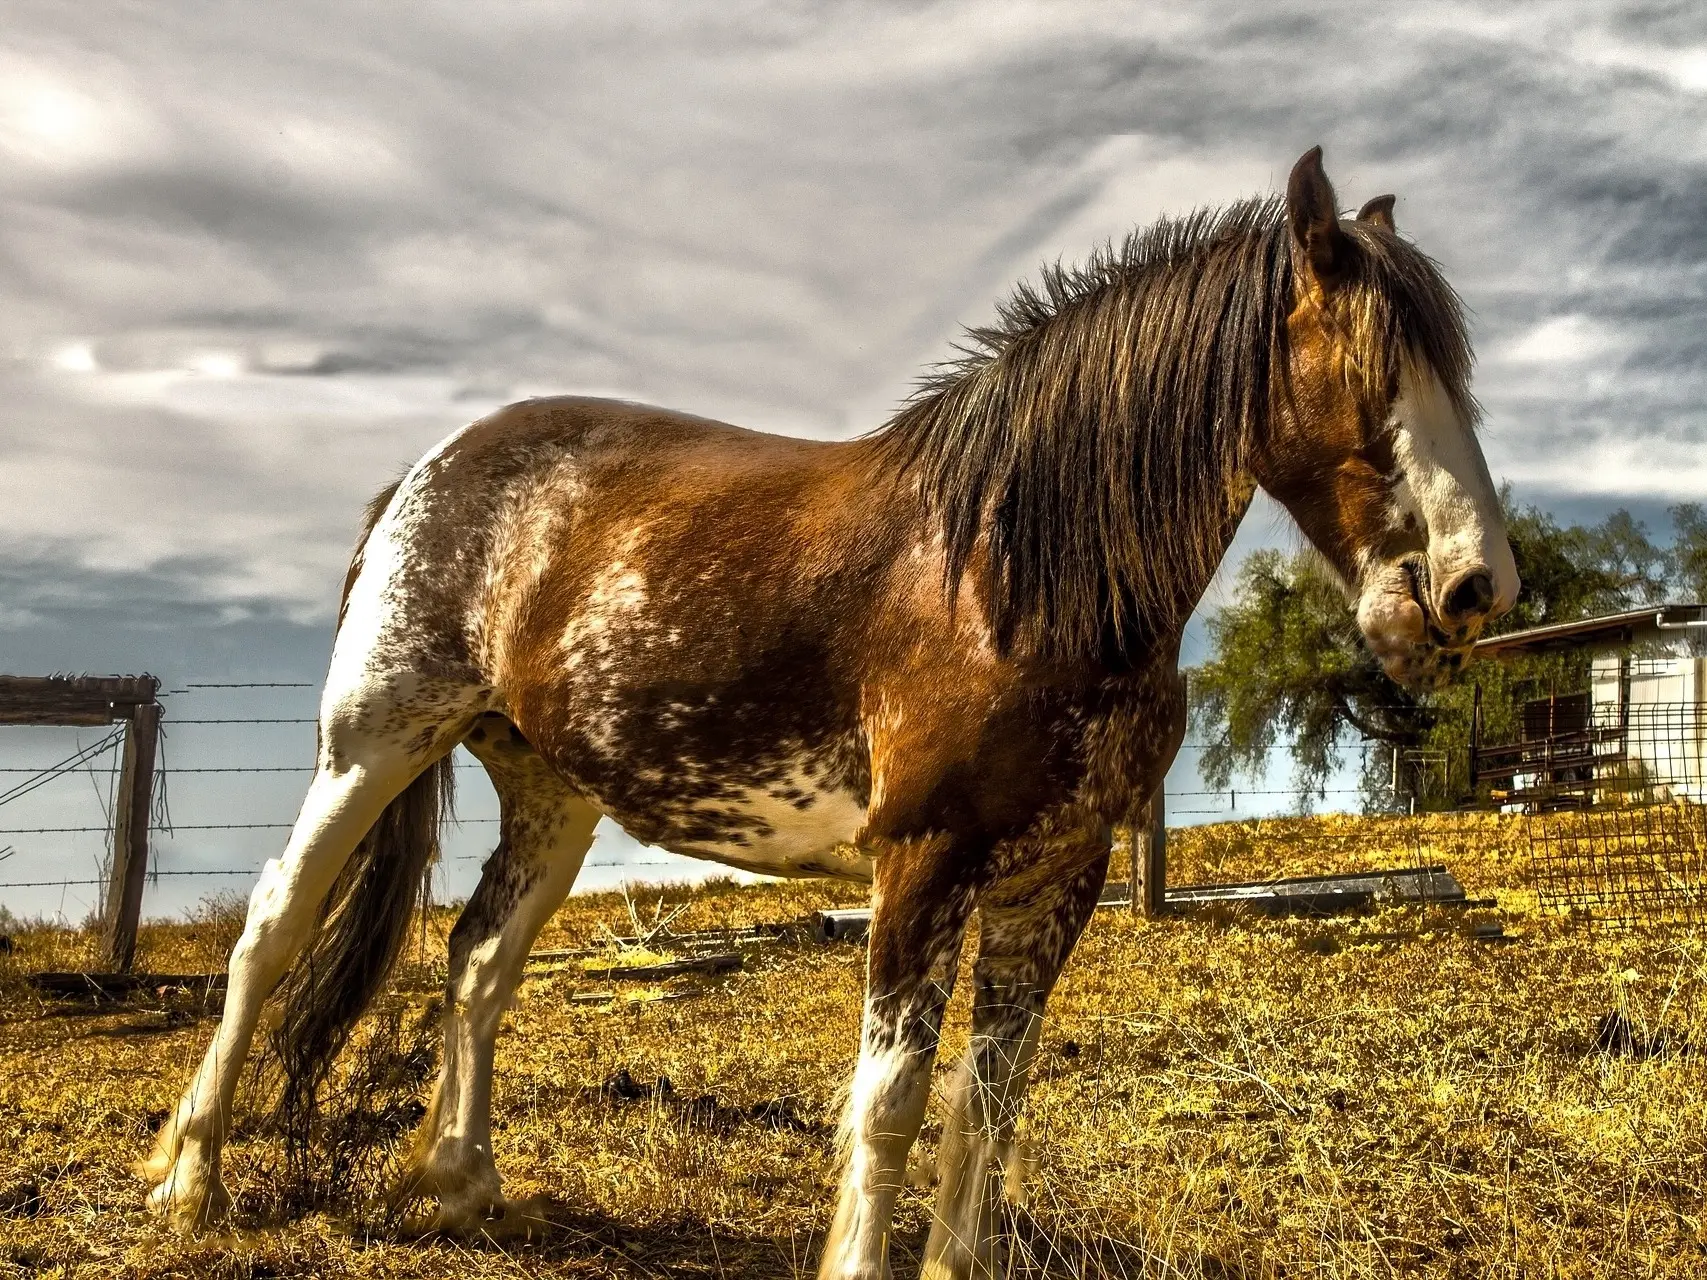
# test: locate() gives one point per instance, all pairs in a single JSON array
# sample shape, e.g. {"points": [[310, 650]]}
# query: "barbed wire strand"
{"points": [[255, 871], [84, 758]]}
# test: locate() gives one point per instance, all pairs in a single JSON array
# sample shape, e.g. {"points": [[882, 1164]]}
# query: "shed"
{"points": [[1640, 723], [1611, 778]]}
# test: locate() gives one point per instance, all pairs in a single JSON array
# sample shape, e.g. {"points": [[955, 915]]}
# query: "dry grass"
{"points": [[1365, 1096]]}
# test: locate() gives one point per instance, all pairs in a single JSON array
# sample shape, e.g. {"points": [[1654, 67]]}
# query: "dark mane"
{"points": [[1099, 433]]}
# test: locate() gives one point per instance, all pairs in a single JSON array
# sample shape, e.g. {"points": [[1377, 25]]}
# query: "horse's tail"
{"points": [[363, 920]]}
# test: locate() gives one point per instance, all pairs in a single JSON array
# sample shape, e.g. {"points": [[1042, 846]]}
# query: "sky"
{"points": [[253, 263]]}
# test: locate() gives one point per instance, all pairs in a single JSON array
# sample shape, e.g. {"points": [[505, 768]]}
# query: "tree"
{"points": [[1290, 664], [1287, 662], [1688, 559]]}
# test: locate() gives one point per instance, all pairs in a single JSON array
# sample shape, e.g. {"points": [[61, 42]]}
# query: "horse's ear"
{"points": [[1315, 220], [1378, 213]]}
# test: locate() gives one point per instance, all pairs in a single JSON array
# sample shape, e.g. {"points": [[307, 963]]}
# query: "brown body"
{"points": [[942, 658], [649, 623]]}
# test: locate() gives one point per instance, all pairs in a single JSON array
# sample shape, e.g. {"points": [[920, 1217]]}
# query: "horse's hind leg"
{"points": [[374, 740], [545, 833], [1025, 938]]}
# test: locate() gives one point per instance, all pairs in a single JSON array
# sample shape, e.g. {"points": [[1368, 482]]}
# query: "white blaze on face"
{"points": [[1445, 488]]}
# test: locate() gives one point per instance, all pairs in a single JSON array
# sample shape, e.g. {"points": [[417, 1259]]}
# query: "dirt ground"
{"points": [[1217, 1095]]}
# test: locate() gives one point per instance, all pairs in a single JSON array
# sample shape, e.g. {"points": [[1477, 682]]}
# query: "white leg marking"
{"points": [[336, 813], [891, 1087]]}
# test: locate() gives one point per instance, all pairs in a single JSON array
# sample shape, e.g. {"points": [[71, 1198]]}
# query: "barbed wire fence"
{"points": [[98, 764]]}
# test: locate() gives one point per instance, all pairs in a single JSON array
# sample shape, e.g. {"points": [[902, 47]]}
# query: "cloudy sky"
{"points": [[252, 263]]}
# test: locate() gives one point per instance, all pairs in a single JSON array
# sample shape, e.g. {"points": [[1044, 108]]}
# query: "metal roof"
{"points": [[1611, 631]]}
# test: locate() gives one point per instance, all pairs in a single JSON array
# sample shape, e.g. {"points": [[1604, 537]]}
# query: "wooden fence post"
{"points": [[96, 700], [1150, 858], [130, 835], [1134, 876]]}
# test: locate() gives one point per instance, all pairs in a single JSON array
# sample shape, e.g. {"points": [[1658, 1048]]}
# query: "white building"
{"points": [[1644, 718]]}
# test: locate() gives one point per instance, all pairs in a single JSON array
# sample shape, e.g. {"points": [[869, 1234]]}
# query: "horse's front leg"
{"points": [[1027, 928], [919, 910]]}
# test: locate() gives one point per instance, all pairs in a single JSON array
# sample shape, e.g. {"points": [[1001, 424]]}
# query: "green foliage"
{"points": [[1577, 572], [1287, 662], [1290, 664], [1689, 551]]}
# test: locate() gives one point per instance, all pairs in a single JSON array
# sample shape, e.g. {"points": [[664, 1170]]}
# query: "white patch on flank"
{"points": [[1445, 485], [372, 599], [529, 522], [611, 619], [617, 595]]}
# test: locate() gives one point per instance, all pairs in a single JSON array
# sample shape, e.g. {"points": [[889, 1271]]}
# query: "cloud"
{"points": [[1566, 340], [252, 268], [251, 272]]}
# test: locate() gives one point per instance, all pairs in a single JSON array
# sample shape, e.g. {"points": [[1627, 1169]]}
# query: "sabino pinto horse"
{"points": [[941, 658]]}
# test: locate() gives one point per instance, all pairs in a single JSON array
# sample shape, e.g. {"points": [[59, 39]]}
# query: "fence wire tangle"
{"points": [[1614, 797]]}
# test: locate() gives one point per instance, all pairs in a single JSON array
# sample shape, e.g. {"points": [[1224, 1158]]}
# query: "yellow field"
{"points": [[1367, 1096]]}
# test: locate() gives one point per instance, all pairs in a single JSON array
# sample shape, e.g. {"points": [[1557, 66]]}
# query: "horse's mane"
{"points": [[1099, 433]]}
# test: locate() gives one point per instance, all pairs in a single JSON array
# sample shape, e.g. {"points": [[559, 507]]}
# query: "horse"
{"points": [[940, 658]]}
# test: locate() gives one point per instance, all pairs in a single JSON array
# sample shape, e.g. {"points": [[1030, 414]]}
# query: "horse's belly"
{"points": [[787, 828]]}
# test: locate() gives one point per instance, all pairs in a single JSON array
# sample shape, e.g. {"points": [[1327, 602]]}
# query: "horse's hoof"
{"points": [[409, 1186], [474, 1212], [503, 1220], [189, 1207]]}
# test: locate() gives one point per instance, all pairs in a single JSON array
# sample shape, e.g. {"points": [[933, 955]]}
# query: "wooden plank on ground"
{"points": [[1321, 895], [113, 985], [725, 963], [1325, 895]]}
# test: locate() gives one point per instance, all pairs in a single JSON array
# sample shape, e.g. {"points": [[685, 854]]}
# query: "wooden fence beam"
{"points": [[73, 700], [130, 835]]}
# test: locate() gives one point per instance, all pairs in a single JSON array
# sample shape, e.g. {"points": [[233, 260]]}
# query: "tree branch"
{"points": [[1391, 737]]}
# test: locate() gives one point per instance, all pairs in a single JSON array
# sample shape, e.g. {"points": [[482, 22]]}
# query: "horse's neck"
{"points": [[1163, 633], [899, 503]]}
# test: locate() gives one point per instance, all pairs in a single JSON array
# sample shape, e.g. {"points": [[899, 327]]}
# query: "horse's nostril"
{"points": [[1473, 597]]}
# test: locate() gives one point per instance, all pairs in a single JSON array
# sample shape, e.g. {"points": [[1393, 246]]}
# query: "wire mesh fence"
{"points": [[1614, 802], [235, 768], [1624, 864]]}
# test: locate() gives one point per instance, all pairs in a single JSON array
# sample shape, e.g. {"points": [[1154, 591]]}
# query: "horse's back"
{"points": [[518, 508], [612, 436], [587, 502]]}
